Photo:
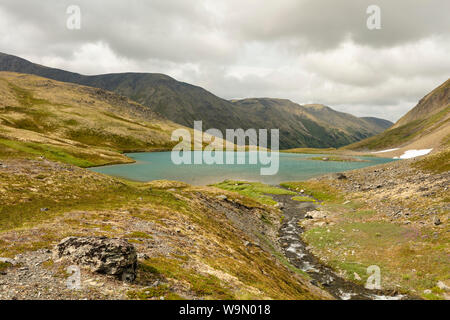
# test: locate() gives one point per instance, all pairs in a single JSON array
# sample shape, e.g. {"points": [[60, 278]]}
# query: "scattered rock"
{"points": [[340, 176], [315, 215], [222, 197], [437, 221], [8, 260], [320, 224], [44, 209], [441, 285], [427, 291], [279, 205], [143, 256], [103, 255], [357, 277]]}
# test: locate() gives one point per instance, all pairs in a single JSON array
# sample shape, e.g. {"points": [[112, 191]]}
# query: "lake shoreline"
{"points": [[149, 166]]}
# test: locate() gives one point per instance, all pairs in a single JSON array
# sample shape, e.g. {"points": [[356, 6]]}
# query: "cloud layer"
{"points": [[304, 50]]}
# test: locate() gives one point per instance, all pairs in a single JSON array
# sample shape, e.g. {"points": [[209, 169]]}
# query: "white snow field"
{"points": [[388, 150], [414, 153]]}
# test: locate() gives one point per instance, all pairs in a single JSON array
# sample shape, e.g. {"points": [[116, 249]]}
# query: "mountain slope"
{"points": [[381, 123], [433, 103], [308, 125], [81, 125], [425, 126], [183, 103], [346, 121]]}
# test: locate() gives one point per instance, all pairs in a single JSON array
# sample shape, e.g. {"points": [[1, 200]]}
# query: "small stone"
{"points": [[427, 291], [441, 285], [143, 256], [357, 277], [320, 224], [341, 176], [44, 209], [221, 197], [8, 260], [279, 205], [437, 221]]}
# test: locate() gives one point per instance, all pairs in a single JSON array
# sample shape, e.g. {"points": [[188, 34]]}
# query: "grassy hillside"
{"points": [[436, 101], [426, 125], [188, 246], [183, 103], [308, 126], [192, 242], [75, 124], [381, 123], [393, 215], [347, 122]]}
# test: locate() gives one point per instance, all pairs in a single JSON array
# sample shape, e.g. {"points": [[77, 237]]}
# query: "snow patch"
{"points": [[414, 153], [388, 150]]}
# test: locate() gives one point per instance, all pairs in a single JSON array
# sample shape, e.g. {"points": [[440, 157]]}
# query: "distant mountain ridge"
{"points": [[305, 125], [180, 102]]}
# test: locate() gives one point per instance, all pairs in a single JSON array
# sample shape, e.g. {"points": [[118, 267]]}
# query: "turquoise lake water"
{"points": [[292, 167]]}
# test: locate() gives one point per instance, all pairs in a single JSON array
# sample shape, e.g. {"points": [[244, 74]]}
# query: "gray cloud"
{"points": [[303, 50]]}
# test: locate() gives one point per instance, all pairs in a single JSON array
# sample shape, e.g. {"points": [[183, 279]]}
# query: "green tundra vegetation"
{"points": [[49, 131], [413, 256]]}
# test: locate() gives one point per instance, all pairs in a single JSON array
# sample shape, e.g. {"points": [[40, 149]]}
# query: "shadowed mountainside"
{"points": [[300, 126]]}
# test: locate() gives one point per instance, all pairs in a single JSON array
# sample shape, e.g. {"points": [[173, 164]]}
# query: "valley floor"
{"points": [[192, 243], [222, 242], [394, 216]]}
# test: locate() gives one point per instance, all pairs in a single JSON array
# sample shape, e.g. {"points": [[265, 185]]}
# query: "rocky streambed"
{"points": [[295, 250]]}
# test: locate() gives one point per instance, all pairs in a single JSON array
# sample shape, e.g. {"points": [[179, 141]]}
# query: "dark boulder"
{"points": [[100, 254]]}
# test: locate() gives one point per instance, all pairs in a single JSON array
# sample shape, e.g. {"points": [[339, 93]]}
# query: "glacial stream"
{"points": [[295, 250]]}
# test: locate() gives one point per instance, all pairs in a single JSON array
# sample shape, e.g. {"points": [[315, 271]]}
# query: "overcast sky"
{"points": [[309, 51]]}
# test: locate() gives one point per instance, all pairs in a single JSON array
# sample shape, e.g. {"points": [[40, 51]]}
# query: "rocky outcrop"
{"points": [[100, 254], [315, 214]]}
